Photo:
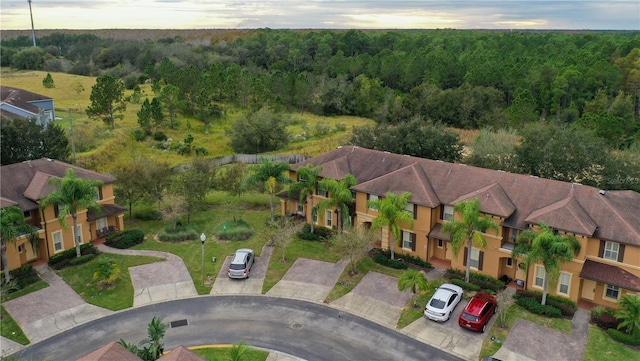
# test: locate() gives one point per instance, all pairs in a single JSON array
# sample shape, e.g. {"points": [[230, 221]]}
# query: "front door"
{"points": [[22, 251], [588, 289]]}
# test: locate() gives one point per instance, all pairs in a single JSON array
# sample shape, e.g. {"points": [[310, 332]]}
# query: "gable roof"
{"points": [[24, 184], [520, 199], [112, 351], [181, 353], [21, 99]]}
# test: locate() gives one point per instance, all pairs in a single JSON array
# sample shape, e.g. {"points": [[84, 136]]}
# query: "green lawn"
{"points": [[600, 347], [222, 354], [120, 296], [10, 329], [30, 288]]}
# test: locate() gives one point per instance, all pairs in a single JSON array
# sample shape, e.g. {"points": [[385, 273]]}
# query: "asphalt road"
{"points": [[307, 330]]}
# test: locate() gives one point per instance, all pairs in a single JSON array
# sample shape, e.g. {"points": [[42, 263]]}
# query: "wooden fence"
{"points": [[249, 159]]}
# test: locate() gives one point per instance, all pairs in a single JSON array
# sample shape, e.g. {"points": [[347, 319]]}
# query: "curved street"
{"points": [[303, 329]]}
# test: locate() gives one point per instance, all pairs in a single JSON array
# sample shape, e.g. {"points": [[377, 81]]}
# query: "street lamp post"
{"points": [[203, 238]]}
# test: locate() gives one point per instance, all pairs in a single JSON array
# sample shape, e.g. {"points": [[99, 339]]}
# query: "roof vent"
{"points": [[602, 192]]}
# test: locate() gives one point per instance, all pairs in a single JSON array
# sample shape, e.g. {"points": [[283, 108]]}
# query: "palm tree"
{"points": [[307, 185], [72, 195], [151, 348], [237, 350], [629, 313], [270, 174], [107, 271], [339, 197], [469, 229], [12, 226], [547, 247], [392, 213], [413, 280]]}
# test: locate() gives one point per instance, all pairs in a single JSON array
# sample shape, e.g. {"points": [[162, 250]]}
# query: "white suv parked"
{"points": [[241, 263]]}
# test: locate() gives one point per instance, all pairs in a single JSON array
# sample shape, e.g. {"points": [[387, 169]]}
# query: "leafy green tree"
{"points": [[469, 229], [47, 82], [392, 214], [107, 100], [107, 271], [193, 183], [231, 178], [72, 195], [157, 116], [416, 137], [12, 226], [158, 177], [268, 174], [31, 58], [259, 132], [173, 207], [413, 280], [307, 186], [131, 184], [354, 244], [629, 312], [340, 197], [494, 149], [144, 116], [26, 139], [546, 247], [170, 97]]}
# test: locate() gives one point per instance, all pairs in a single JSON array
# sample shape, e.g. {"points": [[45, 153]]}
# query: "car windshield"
{"points": [[238, 266], [436, 303], [469, 317]]}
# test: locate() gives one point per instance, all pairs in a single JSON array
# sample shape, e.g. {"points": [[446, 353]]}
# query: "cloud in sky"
{"points": [[322, 14]]}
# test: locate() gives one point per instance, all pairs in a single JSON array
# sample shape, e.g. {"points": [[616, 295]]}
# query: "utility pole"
{"points": [[73, 142], [33, 29]]}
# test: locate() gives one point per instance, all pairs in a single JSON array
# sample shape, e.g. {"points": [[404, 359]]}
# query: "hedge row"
{"points": [[319, 233], [125, 239], [623, 337], [22, 276], [533, 306], [407, 258], [466, 285], [82, 259], [179, 236], [386, 261], [485, 282], [565, 305], [604, 318], [63, 259]]}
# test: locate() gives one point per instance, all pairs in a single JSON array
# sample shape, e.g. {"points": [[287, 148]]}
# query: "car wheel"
{"points": [[484, 327]]}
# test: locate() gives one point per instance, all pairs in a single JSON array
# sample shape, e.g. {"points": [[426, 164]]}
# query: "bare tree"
{"points": [[283, 235], [354, 243]]}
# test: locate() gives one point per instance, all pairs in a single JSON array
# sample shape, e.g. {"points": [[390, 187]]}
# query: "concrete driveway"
{"points": [[308, 280], [223, 285]]}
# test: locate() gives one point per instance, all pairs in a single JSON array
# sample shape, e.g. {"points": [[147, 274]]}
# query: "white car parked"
{"points": [[443, 302]]}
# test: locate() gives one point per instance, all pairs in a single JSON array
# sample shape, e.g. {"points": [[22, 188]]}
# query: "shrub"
{"points": [[82, 259], [566, 306], [125, 239], [415, 260], [466, 285], [319, 233], [200, 150], [147, 213], [341, 127], [386, 261], [139, 135], [322, 129], [533, 306], [63, 259], [178, 235], [234, 230], [485, 282], [159, 136], [22, 276], [623, 337], [603, 318]]}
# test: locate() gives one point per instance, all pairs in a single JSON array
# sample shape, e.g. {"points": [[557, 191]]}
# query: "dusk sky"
{"points": [[321, 14]]}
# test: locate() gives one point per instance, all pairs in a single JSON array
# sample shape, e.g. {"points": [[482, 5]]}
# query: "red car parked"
{"points": [[478, 312]]}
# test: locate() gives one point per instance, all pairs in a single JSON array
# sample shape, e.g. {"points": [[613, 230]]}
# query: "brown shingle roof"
{"points": [[112, 351], [25, 183], [181, 353], [609, 274], [493, 200], [614, 215], [21, 99]]}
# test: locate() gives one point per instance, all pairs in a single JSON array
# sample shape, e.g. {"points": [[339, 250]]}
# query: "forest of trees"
{"points": [[581, 81]]}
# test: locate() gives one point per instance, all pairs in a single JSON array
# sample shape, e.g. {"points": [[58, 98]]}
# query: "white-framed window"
{"points": [[323, 192], [300, 207], [475, 258], [411, 208], [78, 234], [407, 240], [314, 217], [447, 213], [101, 223], [509, 262], [328, 218], [372, 198], [539, 277], [612, 292], [57, 241], [440, 243], [611, 250], [563, 283]]}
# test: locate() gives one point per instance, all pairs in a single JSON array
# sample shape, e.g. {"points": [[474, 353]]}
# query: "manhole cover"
{"points": [[297, 326], [178, 323]]}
